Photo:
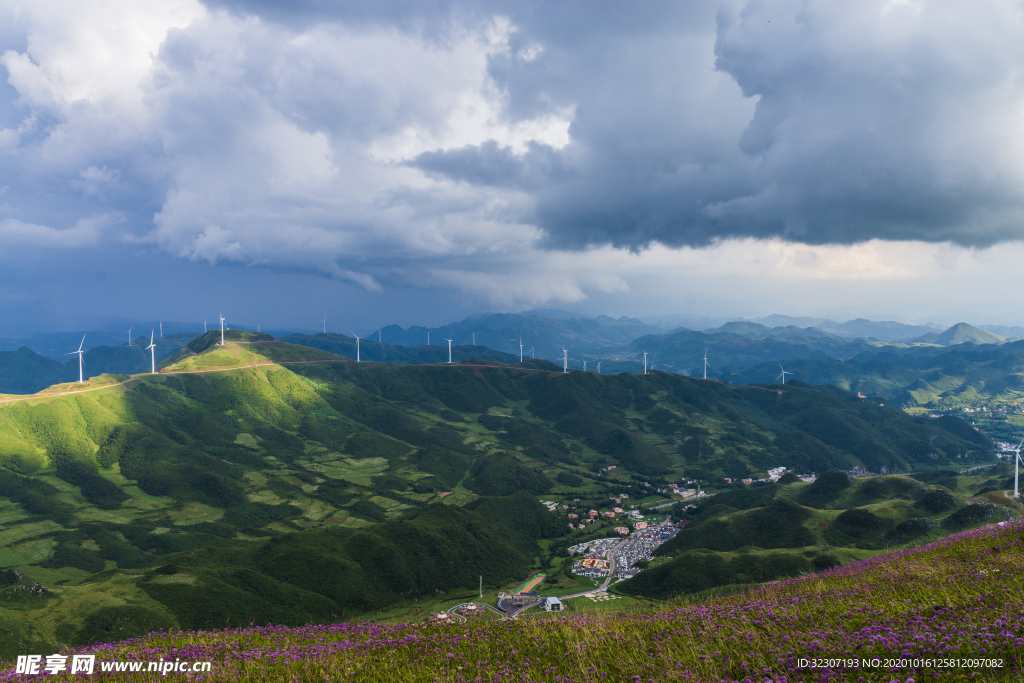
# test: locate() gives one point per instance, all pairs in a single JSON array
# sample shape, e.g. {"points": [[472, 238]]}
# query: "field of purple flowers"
{"points": [[960, 600]]}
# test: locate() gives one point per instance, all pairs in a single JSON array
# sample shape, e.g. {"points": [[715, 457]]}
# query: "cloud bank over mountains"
{"points": [[524, 153]]}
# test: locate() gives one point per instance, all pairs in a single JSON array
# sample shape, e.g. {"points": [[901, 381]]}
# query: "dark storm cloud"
{"points": [[387, 143], [872, 120]]}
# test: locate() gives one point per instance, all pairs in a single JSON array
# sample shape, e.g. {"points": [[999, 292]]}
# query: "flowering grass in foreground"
{"points": [[961, 598]]}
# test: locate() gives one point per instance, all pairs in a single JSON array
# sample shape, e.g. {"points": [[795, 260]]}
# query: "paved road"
{"points": [[611, 565]]}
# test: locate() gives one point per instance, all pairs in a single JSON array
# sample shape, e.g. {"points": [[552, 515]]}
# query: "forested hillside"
{"points": [[274, 481]]}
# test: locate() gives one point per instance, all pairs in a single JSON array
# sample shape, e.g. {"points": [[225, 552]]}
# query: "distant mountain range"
{"points": [[943, 378], [25, 372], [741, 351]]}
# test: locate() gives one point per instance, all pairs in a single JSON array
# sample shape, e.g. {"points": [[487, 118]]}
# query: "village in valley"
{"points": [[597, 563]]}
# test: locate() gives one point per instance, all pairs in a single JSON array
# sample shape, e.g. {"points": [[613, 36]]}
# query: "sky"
{"points": [[416, 162]]}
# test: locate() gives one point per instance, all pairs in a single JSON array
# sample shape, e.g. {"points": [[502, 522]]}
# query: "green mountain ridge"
{"points": [[267, 480]]}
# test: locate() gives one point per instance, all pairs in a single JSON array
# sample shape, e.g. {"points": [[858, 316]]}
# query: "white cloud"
{"points": [[87, 232]]}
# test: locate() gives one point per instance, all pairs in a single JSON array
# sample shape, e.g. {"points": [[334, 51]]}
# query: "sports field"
{"points": [[532, 583]]}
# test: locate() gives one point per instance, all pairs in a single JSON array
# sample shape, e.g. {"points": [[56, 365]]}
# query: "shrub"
{"points": [[569, 479], [936, 501], [100, 492], [858, 523], [368, 510], [502, 475], [825, 489]]}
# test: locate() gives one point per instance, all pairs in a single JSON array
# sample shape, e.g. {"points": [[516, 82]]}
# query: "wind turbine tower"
{"points": [[357, 344], [222, 329], [380, 337], [645, 362], [520, 349], [783, 373], [130, 334], [705, 363], [449, 350], [152, 353], [599, 367], [584, 366], [324, 322], [565, 359], [81, 378], [204, 326], [474, 339], [1016, 468], [428, 337], [161, 330]]}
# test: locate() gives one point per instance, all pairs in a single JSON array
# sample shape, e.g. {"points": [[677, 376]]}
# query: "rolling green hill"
{"points": [[962, 333], [758, 534], [264, 480]]}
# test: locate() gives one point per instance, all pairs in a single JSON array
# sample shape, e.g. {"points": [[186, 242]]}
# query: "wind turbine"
{"points": [[584, 366], [532, 353], [474, 339], [783, 373], [357, 344], [645, 362], [520, 349], [428, 337], [599, 367], [380, 337], [258, 328], [449, 350], [130, 334], [152, 353], [324, 321], [161, 330], [221, 329], [565, 359], [204, 326], [705, 363], [81, 379], [1016, 468]]}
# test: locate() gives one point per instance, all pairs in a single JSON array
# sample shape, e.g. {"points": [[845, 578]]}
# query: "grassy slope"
{"points": [[141, 474], [958, 598]]}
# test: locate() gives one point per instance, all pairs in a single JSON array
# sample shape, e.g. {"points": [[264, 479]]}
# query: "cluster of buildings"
{"points": [[591, 567], [471, 609], [774, 475], [441, 618], [596, 562], [640, 546]]}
